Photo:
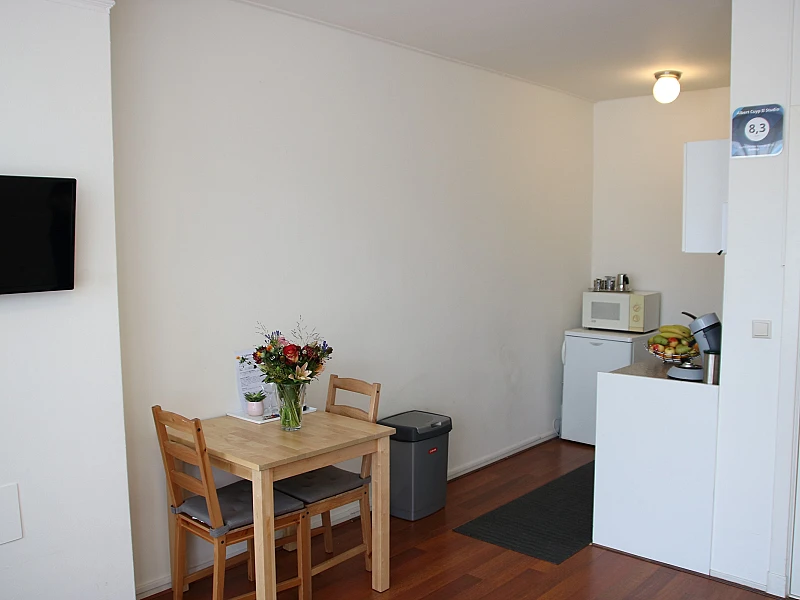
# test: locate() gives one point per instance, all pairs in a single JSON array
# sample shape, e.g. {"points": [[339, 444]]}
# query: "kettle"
{"points": [[623, 283]]}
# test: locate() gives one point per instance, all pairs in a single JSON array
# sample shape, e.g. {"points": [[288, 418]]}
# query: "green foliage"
{"points": [[255, 396]]}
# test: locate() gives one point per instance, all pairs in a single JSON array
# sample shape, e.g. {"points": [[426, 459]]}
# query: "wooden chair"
{"points": [[330, 487], [220, 516]]}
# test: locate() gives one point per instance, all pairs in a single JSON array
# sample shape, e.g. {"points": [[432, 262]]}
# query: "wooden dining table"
{"points": [[264, 453]]}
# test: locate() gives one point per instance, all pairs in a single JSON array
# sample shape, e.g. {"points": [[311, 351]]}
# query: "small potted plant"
{"points": [[255, 403]]}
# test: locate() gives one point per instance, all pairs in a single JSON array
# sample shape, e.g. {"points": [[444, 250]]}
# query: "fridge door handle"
{"points": [[564, 352], [596, 343]]}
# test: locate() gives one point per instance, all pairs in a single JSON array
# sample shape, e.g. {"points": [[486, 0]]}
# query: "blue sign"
{"points": [[757, 131]]}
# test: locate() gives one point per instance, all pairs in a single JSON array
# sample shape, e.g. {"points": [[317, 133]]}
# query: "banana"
{"points": [[678, 327], [680, 330], [672, 333]]}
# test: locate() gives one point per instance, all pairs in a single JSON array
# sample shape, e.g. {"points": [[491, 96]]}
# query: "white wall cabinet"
{"points": [[705, 196]]}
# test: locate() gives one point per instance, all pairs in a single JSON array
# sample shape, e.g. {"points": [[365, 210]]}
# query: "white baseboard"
{"points": [[505, 453], [741, 581], [338, 515], [777, 585], [351, 511]]}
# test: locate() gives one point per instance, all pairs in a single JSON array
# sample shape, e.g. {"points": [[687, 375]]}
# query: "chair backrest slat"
{"points": [[181, 452], [349, 411], [373, 390], [196, 454], [189, 483]]}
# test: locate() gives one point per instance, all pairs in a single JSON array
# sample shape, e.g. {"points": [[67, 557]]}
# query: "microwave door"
{"points": [[604, 311]]}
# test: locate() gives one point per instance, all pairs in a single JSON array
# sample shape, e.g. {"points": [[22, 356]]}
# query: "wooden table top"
{"points": [[265, 446]]}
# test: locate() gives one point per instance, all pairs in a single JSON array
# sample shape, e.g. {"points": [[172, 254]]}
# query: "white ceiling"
{"points": [[595, 49]]}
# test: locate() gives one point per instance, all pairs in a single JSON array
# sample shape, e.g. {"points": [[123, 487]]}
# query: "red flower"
{"points": [[291, 352], [310, 352], [257, 357]]}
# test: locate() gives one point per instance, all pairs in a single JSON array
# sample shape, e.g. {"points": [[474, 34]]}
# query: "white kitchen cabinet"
{"points": [[655, 461], [705, 196]]}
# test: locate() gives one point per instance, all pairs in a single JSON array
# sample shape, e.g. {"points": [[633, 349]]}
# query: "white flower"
{"points": [[301, 373]]}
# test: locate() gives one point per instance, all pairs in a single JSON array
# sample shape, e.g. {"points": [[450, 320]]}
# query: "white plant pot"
{"points": [[255, 409]]}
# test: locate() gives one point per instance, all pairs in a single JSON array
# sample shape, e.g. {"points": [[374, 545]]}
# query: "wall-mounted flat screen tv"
{"points": [[37, 234]]}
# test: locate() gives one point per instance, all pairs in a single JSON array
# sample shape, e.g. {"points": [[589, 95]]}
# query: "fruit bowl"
{"points": [[674, 359], [673, 344]]}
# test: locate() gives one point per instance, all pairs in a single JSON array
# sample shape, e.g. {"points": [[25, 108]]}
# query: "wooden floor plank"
{"points": [[429, 561]]}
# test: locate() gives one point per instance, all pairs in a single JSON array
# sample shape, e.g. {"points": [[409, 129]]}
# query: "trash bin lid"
{"points": [[417, 425]]}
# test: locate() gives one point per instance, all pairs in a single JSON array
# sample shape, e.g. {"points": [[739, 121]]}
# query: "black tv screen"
{"points": [[37, 234]]}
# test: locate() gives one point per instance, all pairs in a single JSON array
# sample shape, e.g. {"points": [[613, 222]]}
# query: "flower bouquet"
{"points": [[290, 365]]}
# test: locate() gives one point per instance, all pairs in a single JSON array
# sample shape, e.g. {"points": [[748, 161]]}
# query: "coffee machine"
{"points": [[707, 332]]}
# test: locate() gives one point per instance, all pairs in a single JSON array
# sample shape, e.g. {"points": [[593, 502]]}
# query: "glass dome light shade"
{"points": [[667, 86]]}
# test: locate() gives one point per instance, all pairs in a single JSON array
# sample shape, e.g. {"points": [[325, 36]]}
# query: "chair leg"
{"points": [[328, 534], [178, 560], [366, 528], [304, 557], [251, 570], [219, 570]]}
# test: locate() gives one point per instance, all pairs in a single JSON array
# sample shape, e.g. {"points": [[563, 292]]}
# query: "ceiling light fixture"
{"points": [[667, 86]]}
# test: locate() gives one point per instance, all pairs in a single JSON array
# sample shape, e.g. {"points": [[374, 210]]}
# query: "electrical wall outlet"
{"points": [[10, 521]]}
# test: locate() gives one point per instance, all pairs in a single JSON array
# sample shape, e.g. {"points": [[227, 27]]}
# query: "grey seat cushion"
{"points": [[320, 484], [236, 505]]}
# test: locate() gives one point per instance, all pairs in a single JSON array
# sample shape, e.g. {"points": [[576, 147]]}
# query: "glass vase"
{"points": [[292, 398]]}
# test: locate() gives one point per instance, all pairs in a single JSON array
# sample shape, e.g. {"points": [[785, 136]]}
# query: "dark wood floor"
{"points": [[431, 562]]}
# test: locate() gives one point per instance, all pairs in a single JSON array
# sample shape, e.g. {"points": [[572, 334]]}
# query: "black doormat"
{"points": [[550, 523]]}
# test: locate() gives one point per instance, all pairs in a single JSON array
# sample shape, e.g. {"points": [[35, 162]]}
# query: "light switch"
{"points": [[762, 329], [10, 521]]}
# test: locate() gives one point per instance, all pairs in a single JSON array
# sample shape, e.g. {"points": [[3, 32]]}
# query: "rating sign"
{"points": [[756, 129]]}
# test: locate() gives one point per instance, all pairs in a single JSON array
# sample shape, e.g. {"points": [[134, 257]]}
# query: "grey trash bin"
{"points": [[418, 463]]}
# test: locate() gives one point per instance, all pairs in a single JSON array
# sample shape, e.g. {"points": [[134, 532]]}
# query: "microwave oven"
{"points": [[622, 311]]}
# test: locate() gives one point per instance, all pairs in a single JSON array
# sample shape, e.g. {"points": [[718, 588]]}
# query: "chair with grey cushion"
{"points": [[330, 487], [220, 516]]}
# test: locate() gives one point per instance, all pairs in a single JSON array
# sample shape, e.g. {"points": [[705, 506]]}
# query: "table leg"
{"points": [[380, 516], [264, 522]]}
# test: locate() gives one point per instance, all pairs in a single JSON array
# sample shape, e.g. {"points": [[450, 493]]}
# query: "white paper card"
{"points": [[250, 379], [10, 521], [266, 418]]}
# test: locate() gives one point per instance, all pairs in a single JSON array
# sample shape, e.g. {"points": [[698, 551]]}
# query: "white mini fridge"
{"points": [[585, 353]]}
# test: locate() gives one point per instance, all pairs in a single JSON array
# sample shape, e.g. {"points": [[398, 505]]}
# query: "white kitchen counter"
{"points": [[654, 368], [654, 465]]}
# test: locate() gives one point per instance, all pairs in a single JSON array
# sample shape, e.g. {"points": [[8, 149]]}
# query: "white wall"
{"points": [[432, 220], [756, 416], [638, 196], [60, 382]]}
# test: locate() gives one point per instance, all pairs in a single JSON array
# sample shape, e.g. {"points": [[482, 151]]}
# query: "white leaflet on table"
{"points": [[267, 417], [251, 379]]}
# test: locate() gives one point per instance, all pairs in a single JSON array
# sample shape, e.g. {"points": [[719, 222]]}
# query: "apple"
{"points": [[674, 342]]}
